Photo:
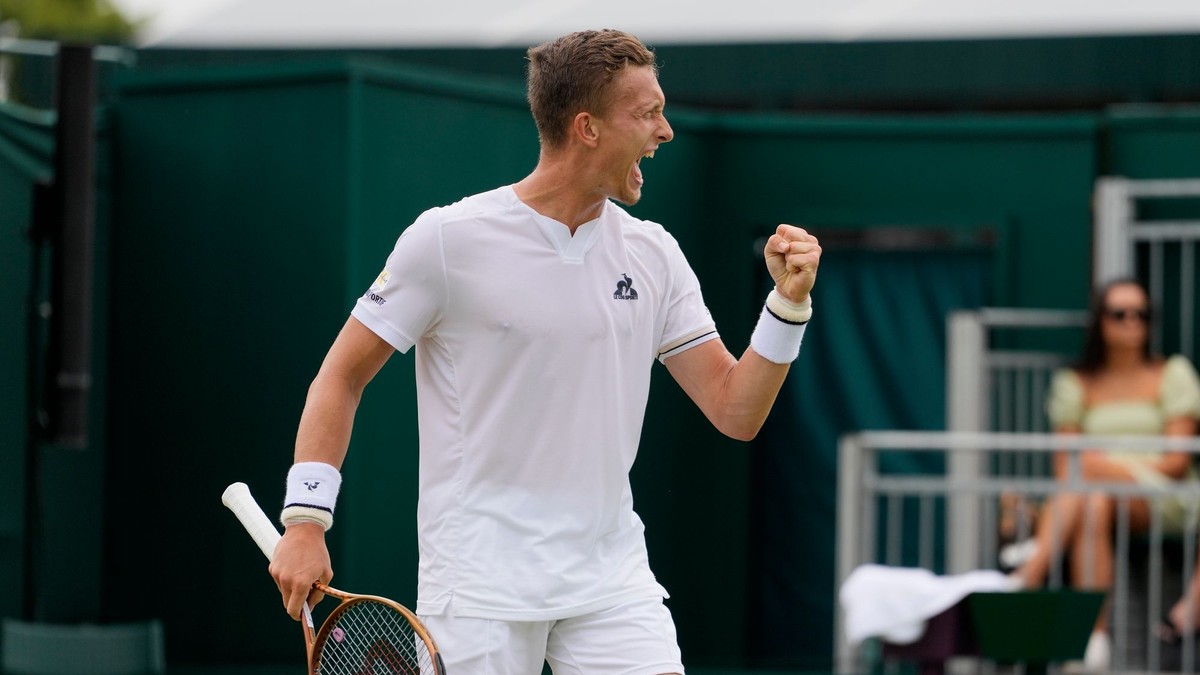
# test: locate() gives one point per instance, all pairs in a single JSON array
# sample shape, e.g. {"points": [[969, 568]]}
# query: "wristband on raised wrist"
{"points": [[780, 328], [788, 311]]}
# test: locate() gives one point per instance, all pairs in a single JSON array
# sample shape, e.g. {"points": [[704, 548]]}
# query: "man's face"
{"points": [[632, 128]]}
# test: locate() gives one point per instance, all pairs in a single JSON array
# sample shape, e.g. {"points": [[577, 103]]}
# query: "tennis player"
{"points": [[537, 311]]}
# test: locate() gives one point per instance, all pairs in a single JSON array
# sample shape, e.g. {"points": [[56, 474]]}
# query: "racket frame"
{"points": [[237, 498]]}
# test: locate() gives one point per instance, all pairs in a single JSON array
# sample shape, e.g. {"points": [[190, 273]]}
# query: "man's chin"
{"points": [[629, 198]]}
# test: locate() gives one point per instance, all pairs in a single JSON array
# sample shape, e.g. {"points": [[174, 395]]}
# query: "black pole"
{"points": [[73, 242], [43, 223]]}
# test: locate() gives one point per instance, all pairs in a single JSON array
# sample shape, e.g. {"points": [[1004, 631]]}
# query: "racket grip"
{"points": [[237, 498]]}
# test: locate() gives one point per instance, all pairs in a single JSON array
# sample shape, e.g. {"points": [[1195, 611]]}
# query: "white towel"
{"points": [[894, 602]]}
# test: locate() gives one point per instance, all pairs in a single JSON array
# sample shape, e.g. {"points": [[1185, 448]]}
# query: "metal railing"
{"points": [[1120, 236], [888, 518], [114, 53], [29, 66], [995, 388]]}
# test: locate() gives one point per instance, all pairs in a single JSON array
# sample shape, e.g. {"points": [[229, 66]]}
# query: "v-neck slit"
{"points": [[571, 248]]}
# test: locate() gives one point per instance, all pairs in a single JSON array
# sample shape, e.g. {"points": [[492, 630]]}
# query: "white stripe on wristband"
{"points": [[312, 489], [791, 312], [780, 328]]}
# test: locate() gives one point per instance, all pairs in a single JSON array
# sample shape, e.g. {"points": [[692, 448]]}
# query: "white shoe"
{"points": [[1098, 656], [1018, 553]]}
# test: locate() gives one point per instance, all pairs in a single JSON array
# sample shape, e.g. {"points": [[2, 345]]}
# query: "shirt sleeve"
{"points": [[688, 321], [1180, 389], [1064, 402], [408, 297]]}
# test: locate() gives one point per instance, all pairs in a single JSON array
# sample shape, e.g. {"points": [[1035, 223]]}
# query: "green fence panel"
{"points": [[998, 74], [1027, 179], [1152, 142], [26, 140], [228, 246]]}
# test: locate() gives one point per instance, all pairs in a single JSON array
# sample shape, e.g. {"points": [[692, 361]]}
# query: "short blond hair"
{"points": [[573, 74]]}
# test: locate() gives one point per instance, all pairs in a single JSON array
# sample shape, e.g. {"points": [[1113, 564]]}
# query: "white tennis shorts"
{"points": [[637, 638]]}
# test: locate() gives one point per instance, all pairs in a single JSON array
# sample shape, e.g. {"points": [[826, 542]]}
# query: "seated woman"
{"points": [[1118, 387]]}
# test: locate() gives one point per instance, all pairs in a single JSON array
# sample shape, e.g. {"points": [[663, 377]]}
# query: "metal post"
{"points": [[1187, 294], [64, 551], [1112, 254], [849, 523], [966, 396], [74, 190]]}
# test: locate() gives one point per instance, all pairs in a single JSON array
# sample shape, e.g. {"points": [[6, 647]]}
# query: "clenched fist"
{"points": [[792, 258]]}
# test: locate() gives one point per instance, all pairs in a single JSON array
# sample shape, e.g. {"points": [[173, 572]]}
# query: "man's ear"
{"points": [[586, 128]]}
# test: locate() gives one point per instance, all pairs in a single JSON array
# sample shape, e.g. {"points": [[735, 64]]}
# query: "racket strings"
{"points": [[371, 638]]}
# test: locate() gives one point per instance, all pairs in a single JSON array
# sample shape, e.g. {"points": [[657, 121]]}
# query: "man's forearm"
{"points": [[327, 421]]}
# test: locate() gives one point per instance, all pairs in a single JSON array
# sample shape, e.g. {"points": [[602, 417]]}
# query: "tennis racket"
{"points": [[364, 634]]}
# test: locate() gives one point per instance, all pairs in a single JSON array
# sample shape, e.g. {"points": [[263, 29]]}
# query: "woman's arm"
{"points": [[1094, 465], [1175, 464]]}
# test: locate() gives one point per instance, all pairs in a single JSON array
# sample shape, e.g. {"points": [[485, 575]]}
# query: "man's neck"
{"points": [[558, 189]]}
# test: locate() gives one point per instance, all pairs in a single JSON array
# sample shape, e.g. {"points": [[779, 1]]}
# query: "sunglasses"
{"points": [[1123, 314]]}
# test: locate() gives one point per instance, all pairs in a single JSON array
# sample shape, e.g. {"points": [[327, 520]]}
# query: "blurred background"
{"points": [[194, 193]]}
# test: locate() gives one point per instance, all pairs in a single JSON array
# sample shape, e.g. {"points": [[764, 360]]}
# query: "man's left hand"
{"points": [[792, 258]]}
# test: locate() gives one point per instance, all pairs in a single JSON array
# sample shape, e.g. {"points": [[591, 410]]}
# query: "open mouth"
{"points": [[637, 166]]}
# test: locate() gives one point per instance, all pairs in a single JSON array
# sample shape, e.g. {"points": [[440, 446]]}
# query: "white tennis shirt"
{"points": [[534, 352]]}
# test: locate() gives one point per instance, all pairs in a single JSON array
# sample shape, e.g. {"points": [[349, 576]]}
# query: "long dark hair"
{"points": [[1095, 352]]}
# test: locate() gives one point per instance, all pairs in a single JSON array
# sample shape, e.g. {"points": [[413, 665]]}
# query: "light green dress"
{"points": [[1178, 396]]}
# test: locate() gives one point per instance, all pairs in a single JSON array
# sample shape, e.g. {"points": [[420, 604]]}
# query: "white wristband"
{"points": [[312, 489], [780, 329]]}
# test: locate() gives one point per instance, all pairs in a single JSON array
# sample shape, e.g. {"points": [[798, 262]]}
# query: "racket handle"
{"points": [[238, 499]]}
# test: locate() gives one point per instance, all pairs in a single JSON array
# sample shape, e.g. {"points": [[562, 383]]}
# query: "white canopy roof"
{"points": [[499, 23]]}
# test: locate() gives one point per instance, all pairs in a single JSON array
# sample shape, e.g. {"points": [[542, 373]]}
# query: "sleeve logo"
{"points": [[382, 280]]}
